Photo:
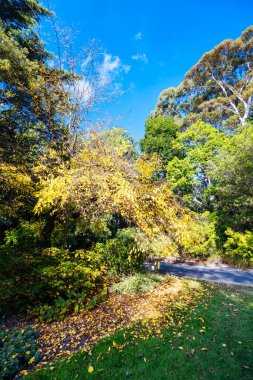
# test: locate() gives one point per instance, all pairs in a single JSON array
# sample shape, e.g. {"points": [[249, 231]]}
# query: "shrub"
{"points": [[18, 349], [239, 247], [70, 272], [56, 280], [139, 283], [75, 302], [123, 254], [203, 237], [26, 235], [68, 282]]}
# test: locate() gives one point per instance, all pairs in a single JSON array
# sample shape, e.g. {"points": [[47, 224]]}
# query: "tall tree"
{"points": [[187, 173], [31, 94], [232, 177], [219, 88]]}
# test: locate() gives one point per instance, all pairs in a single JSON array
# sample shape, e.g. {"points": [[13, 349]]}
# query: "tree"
{"points": [[160, 132], [232, 176], [121, 141], [187, 173], [31, 93], [101, 181], [218, 89]]}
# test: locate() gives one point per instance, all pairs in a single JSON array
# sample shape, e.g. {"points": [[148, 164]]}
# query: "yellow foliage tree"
{"points": [[100, 181]]}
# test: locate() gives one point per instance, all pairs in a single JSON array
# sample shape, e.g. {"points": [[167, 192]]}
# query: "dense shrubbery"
{"points": [[18, 349], [57, 281], [205, 244], [121, 255], [51, 275], [239, 247]]}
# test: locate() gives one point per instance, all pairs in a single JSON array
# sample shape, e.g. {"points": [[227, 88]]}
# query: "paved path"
{"points": [[209, 273]]}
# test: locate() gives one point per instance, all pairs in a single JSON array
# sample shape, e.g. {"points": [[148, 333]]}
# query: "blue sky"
{"points": [[155, 41]]}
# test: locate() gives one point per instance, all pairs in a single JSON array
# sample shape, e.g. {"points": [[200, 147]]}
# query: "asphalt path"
{"points": [[209, 273]]}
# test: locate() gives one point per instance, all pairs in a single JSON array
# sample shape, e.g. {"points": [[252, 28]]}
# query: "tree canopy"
{"points": [[218, 89]]}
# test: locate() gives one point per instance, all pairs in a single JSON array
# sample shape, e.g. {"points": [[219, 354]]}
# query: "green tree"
{"points": [[121, 140], [232, 177], [187, 174], [31, 93], [160, 132]]}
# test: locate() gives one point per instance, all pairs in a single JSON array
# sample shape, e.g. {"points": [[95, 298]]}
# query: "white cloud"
{"points": [[140, 57], [138, 36], [111, 66], [126, 68]]}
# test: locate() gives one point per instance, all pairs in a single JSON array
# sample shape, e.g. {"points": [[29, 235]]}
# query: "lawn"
{"points": [[206, 332]]}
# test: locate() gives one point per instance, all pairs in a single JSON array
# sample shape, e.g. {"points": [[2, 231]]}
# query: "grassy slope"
{"points": [[212, 341]]}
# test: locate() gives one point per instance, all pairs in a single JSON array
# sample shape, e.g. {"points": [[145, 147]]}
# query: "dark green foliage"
{"points": [[19, 14], [73, 303], [121, 255], [57, 281], [18, 349], [160, 132], [232, 181], [30, 275], [60, 279]]}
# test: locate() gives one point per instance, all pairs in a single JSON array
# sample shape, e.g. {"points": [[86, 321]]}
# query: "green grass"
{"points": [[212, 341]]}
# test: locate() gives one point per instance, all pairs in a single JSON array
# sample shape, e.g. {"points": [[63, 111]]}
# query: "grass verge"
{"points": [[138, 283]]}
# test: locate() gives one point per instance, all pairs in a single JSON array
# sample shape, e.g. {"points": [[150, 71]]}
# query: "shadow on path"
{"points": [[208, 273]]}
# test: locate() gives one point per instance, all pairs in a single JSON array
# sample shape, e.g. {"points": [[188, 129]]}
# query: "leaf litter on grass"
{"points": [[145, 315]]}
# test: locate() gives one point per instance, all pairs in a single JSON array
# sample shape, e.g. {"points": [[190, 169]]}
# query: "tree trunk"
{"points": [[45, 236]]}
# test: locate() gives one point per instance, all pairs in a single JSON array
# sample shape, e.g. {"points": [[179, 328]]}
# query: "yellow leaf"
{"points": [[114, 344], [90, 369], [24, 373]]}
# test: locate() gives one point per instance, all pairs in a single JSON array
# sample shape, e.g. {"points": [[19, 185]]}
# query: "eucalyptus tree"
{"points": [[218, 88]]}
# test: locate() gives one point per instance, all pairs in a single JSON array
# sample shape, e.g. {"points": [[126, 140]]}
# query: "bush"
{"points": [[70, 272], [53, 282], [56, 280], [139, 283], [71, 279], [18, 349], [123, 254], [203, 237], [239, 247]]}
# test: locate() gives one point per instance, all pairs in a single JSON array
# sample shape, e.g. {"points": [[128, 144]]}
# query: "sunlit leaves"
{"points": [[100, 181]]}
